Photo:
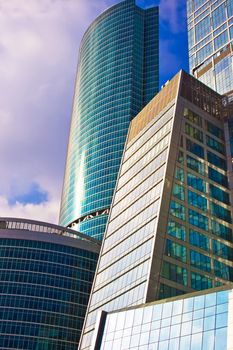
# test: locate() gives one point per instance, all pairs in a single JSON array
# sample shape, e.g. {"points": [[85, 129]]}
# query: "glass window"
{"points": [[196, 182], [176, 251], [177, 210], [193, 132], [180, 157], [178, 191], [221, 230], [175, 273], [203, 28], [217, 161], [200, 282], [218, 16], [192, 117], [229, 8], [198, 220], [216, 176], [222, 250], [179, 174], [220, 40], [197, 200], [195, 165], [220, 212], [199, 240], [195, 148], [215, 145], [200, 261], [216, 193], [213, 129], [176, 230], [223, 271]]}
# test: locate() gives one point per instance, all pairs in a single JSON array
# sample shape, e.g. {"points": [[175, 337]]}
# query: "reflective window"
{"points": [[199, 240], [221, 230], [194, 132], [213, 129], [197, 200], [178, 192], [222, 250], [196, 182], [176, 230], [198, 220], [217, 161], [200, 282], [195, 165], [220, 212], [175, 273], [177, 210], [176, 251], [192, 117], [219, 16], [215, 145], [218, 177], [179, 174], [195, 148], [216, 193], [200, 261]]}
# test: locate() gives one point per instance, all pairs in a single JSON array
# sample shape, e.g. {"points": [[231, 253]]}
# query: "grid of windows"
{"points": [[107, 96], [197, 322], [44, 290]]}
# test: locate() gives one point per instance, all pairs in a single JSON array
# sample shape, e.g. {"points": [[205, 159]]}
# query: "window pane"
{"points": [[175, 273], [198, 220], [178, 192], [199, 240], [196, 182], [195, 148], [220, 195], [213, 129], [220, 212], [217, 161], [176, 251], [176, 230], [216, 176], [179, 175], [217, 146], [200, 261], [195, 165], [193, 132], [192, 117], [197, 200], [177, 210]]}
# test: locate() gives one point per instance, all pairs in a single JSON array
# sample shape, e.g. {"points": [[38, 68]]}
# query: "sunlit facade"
{"points": [[170, 224], [117, 75], [197, 321], [210, 32], [46, 273]]}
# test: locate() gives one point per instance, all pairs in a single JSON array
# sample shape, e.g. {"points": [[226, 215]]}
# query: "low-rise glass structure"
{"points": [[46, 272], [197, 321]]}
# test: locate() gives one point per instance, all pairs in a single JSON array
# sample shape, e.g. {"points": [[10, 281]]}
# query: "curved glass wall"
{"points": [[117, 76], [45, 281]]}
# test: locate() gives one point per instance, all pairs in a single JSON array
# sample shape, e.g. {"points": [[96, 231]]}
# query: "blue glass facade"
{"points": [[210, 34], [45, 281], [117, 76], [192, 322]]}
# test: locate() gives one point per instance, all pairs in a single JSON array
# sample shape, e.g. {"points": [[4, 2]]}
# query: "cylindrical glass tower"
{"points": [[117, 76], [46, 273]]}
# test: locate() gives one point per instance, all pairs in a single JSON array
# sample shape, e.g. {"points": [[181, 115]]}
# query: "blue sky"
{"points": [[38, 58]]}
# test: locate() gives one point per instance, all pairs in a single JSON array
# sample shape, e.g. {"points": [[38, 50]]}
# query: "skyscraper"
{"points": [[170, 225], [46, 273], [117, 75], [210, 35]]}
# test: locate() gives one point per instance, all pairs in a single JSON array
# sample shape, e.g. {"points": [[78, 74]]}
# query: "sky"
{"points": [[39, 44]]}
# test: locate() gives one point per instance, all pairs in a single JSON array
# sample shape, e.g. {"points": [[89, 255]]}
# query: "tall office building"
{"points": [[210, 35], [117, 75], [170, 224], [46, 273]]}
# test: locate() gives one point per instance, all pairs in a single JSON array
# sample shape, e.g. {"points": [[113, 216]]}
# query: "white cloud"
{"points": [[173, 12], [38, 56], [47, 211]]}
